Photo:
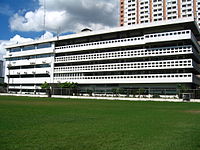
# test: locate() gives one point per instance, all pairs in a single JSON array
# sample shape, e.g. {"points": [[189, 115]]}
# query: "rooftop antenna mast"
{"points": [[44, 21]]}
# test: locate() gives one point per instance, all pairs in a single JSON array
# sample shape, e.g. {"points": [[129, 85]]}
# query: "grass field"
{"points": [[66, 124]]}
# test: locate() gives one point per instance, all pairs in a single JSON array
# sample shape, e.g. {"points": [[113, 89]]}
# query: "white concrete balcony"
{"points": [[148, 78], [29, 80], [29, 52], [145, 65], [30, 71], [102, 44], [36, 61], [168, 36], [138, 53], [149, 38]]}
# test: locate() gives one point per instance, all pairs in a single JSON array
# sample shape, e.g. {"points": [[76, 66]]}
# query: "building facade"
{"points": [[146, 11], [153, 55]]}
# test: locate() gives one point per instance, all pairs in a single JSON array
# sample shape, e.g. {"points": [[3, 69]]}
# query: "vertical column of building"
{"points": [[151, 10], [164, 10], [179, 3], [198, 12], [138, 11], [122, 12], [52, 63], [195, 8]]}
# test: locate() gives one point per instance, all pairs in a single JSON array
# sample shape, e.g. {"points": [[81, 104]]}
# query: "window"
{"points": [[29, 47], [18, 49], [44, 45]]}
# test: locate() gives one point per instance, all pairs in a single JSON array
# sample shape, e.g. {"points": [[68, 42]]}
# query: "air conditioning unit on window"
{"points": [[25, 72], [33, 72], [32, 63], [18, 73], [9, 65], [47, 72], [44, 62]]}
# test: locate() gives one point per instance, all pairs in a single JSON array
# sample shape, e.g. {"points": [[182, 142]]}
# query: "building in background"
{"points": [[1, 68], [146, 11], [152, 55], [1, 72]]}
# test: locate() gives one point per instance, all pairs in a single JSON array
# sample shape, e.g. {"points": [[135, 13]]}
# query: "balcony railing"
{"points": [[146, 65], [148, 78], [31, 71], [165, 51], [149, 38]]}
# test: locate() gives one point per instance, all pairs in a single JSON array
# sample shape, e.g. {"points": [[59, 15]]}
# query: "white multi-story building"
{"points": [[145, 11], [152, 55]]}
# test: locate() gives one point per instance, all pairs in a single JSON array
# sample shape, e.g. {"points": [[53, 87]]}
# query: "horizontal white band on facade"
{"points": [[27, 62], [149, 38], [31, 71], [37, 80], [150, 78], [30, 52], [137, 53], [145, 65], [24, 87]]}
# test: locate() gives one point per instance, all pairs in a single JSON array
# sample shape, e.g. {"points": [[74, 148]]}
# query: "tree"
{"points": [[4, 85], [120, 91], [70, 86], [181, 89], [89, 91], [46, 86], [114, 91], [74, 85], [141, 91], [128, 92]]}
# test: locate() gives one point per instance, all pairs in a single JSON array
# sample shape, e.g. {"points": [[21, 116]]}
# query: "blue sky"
{"points": [[7, 9], [24, 17], [23, 20]]}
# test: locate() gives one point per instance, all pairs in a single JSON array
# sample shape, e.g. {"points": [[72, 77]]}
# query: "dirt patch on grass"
{"points": [[193, 111]]}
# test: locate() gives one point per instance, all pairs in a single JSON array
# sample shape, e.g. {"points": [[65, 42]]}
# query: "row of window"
{"points": [[126, 54], [168, 34], [30, 47], [127, 39], [127, 66], [158, 76], [29, 76], [30, 67], [29, 57]]}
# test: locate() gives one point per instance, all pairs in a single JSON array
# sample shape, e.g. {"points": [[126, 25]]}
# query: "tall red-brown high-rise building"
{"points": [[122, 12], [145, 11]]}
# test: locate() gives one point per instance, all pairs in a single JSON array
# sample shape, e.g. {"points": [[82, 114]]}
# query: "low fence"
{"points": [[132, 93]]}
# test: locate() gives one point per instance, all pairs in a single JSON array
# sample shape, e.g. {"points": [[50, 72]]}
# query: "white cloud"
{"points": [[62, 16], [16, 39], [47, 35], [2, 49], [19, 39]]}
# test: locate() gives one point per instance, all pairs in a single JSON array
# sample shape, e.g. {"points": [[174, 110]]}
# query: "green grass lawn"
{"points": [[70, 124]]}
